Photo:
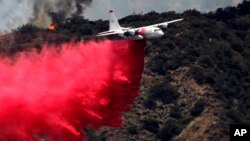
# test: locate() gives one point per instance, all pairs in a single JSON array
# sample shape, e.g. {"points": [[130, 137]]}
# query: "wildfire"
{"points": [[52, 27]]}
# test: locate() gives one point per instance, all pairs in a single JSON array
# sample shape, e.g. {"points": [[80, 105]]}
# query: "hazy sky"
{"points": [[99, 8], [15, 13]]}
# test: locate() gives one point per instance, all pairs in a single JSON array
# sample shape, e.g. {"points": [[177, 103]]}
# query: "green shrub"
{"points": [[175, 112], [198, 108], [234, 115], [198, 75], [149, 103], [132, 130], [151, 125], [170, 129], [28, 28], [163, 92]]}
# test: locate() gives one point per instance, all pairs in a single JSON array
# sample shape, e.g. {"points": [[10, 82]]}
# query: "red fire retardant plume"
{"points": [[59, 92]]}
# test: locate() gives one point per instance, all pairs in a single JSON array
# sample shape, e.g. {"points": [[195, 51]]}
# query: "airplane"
{"points": [[140, 33]]}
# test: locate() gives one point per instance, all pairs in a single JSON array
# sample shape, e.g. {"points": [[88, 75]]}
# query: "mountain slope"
{"points": [[196, 78]]}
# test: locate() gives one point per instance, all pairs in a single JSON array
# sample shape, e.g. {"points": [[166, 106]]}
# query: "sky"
{"points": [[99, 8], [15, 13]]}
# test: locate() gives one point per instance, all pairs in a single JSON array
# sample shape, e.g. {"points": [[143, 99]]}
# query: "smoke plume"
{"points": [[15, 13], [59, 92], [48, 11]]}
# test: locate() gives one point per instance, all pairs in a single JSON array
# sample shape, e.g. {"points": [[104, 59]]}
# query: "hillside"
{"points": [[196, 79]]}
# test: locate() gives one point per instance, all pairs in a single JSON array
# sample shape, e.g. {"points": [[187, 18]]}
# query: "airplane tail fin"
{"points": [[113, 22]]}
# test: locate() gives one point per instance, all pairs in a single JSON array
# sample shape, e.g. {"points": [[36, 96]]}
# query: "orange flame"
{"points": [[52, 27]]}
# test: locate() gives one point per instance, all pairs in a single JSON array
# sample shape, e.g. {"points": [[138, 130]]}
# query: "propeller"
{"points": [[129, 33], [137, 32]]}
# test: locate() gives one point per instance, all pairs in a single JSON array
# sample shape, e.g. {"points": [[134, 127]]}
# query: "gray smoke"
{"points": [[14, 13], [48, 11]]}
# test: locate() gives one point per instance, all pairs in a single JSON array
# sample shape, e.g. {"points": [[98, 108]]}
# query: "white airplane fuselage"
{"points": [[141, 33], [148, 32]]}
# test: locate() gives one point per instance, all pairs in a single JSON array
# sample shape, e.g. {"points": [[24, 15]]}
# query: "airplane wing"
{"points": [[107, 33], [165, 24]]}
